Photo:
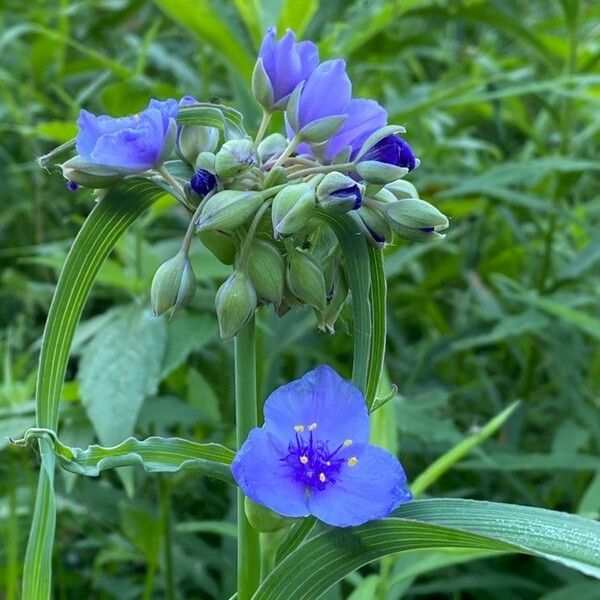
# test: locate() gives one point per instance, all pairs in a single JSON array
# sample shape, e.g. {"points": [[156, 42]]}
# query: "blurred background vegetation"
{"points": [[501, 102]]}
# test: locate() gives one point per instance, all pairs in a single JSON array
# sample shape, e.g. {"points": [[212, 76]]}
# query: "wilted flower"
{"points": [[128, 144], [312, 455], [281, 66]]}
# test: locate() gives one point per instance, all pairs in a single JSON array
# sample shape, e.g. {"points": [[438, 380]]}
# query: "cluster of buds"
{"points": [[257, 203]]}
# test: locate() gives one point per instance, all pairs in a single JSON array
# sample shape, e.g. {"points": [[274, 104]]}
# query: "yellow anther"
{"points": [[352, 461], [298, 428], [347, 443], [312, 426], [322, 477], [304, 459]]}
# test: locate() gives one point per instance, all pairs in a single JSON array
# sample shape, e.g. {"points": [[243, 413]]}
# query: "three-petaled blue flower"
{"points": [[286, 63], [312, 455], [128, 144]]}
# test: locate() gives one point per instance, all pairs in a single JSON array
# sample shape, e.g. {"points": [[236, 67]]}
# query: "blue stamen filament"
{"points": [[312, 463]]}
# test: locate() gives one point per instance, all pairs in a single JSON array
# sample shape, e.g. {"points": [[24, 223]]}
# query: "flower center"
{"points": [[311, 461]]}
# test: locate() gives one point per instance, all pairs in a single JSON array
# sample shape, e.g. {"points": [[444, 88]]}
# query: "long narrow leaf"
{"points": [[320, 562], [110, 218]]}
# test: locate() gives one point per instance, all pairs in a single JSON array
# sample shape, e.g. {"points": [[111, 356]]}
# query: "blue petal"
{"points": [[167, 108], [287, 67], [327, 92], [264, 478], [309, 57], [364, 117], [267, 52], [136, 147], [322, 397], [369, 490], [91, 127]]}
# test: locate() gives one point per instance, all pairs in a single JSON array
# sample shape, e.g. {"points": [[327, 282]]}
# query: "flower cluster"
{"points": [[258, 203], [313, 457]]}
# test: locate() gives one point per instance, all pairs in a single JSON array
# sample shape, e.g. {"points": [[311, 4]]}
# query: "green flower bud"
{"points": [[266, 271], [206, 161], [235, 303], [228, 209], [384, 195], [275, 177], [221, 244], [173, 285], [234, 157], [305, 279], [194, 139], [261, 86], [272, 145], [263, 519], [338, 193], [292, 208], [321, 130], [378, 172], [373, 225], [89, 174], [416, 220], [402, 189]]}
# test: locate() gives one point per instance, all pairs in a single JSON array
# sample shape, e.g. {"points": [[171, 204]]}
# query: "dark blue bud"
{"points": [[202, 182], [72, 186], [352, 192], [392, 150]]}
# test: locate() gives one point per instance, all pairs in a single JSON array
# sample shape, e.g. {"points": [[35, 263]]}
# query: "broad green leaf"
{"points": [[119, 367], [251, 13], [296, 15], [208, 26], [111, 216], [154, 455], [450, 458], [433, 524]]}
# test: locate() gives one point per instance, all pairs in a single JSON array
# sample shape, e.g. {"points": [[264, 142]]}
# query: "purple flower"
{"points": [[312, 455], [128, 144], [392, 150], [326, 93], [286, 63], [202, 182]]}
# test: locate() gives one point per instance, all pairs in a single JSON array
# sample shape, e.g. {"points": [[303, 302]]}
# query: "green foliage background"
{"points": [[501, 102]]}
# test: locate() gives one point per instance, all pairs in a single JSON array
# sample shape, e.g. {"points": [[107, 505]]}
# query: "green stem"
{"points": [[286, 153], [250, 235], [246, 418], [165, 510], [324, 169], [171, 180], [149, 581], [266, 118], [189, 234]]}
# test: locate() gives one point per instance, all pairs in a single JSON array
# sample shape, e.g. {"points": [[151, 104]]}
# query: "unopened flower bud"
{"points": [[228, 209], [379, 172], [373, 225], [338, 193], [336, 298], [235, 303], [194, 139], [202, 182], [262, 88], [263, 519], [275, 177], [206, 161], [220, 243], [234, 157], [305, 279], [88, 174], [272, 145], [292, 208], [173, 285], [402, 189], [416, 220], [266, 271]]}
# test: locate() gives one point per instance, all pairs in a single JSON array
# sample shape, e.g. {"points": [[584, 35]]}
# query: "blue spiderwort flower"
{"points": [[128, 144], [281, 66], [312, 455], [392, 150], [202, 182], [320, 102]]}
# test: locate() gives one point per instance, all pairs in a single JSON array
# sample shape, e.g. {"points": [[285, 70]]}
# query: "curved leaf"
{"points": [[154, 454], [319, 563], [111, 216]]}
